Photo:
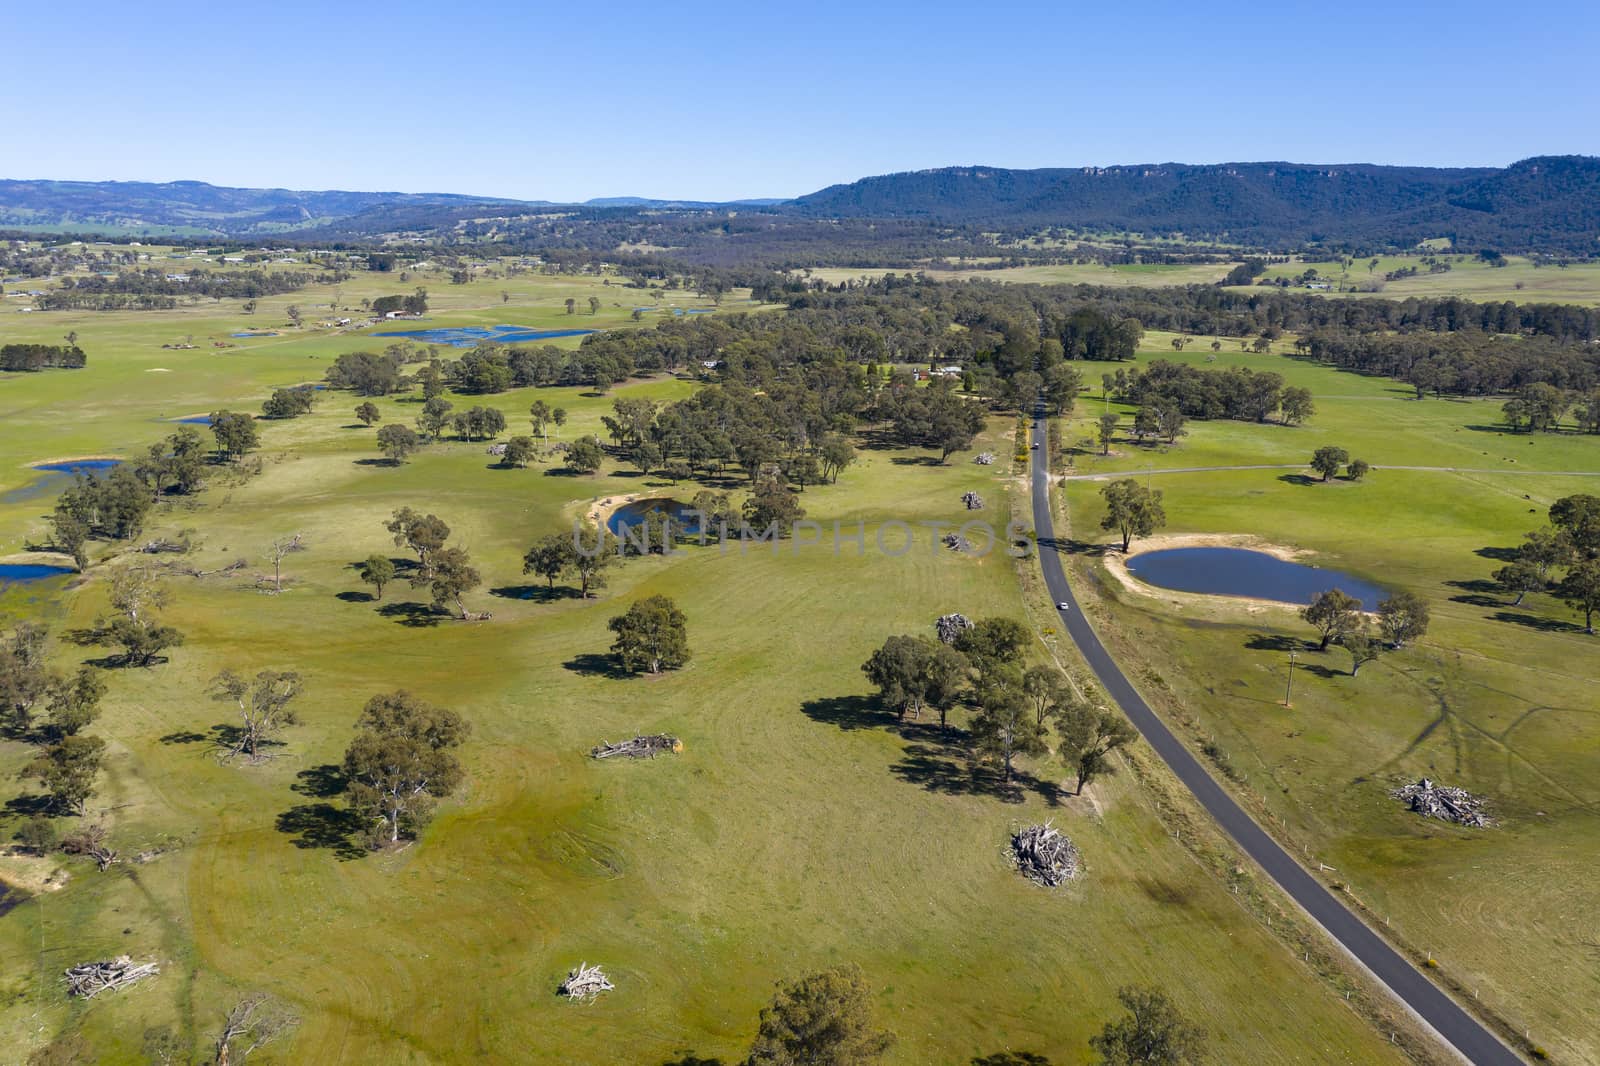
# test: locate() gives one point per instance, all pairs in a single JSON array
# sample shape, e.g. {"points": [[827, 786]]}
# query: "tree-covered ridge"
{"points": [[1544, 203]]}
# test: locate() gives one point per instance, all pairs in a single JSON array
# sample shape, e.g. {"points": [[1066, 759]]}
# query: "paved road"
{"points": [[1140, 472], [1469, 1037]]}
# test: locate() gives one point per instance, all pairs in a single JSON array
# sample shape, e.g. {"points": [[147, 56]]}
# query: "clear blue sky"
{"points": [[720, 101]]}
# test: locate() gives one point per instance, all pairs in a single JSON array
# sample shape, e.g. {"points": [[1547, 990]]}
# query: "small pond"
{"points": [[54, 476], [685, 520], [192, 420], [22, 573], [1241, 572], [470, 336]]}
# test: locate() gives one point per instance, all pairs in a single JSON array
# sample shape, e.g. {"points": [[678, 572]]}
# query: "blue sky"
{"points": [[720, 101]]}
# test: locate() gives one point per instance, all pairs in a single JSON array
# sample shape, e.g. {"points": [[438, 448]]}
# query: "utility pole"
{"points": [[1289, 688]]}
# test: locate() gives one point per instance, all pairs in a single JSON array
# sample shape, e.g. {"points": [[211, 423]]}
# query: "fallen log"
{"points": [[92, 978], [1044, 855], [585, 982], [642, 747]]}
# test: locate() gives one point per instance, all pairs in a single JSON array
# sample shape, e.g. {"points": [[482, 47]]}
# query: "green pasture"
{"points": [[798, 829], [1520, 280], [1501, 700]]}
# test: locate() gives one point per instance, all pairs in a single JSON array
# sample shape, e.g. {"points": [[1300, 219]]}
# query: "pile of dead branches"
{"points": [[950, 626], [92, 978], [956, 542], [1444, 802], [164, 546], [585, 982], [973, 501], [639, 747], [984, 458], [1043, 855]]}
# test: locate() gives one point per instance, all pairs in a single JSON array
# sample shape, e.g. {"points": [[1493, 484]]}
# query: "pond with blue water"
{"points": [[685, 519], [1241, 572], [23, 573], [471, 336], [55, 476]]}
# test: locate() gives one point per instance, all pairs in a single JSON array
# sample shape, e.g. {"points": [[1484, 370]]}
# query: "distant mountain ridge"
{"points": [[192, 205], [238, 212], [1547, 203], [1552, 201]]}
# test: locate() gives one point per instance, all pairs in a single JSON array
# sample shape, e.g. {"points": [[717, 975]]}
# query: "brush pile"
{"points": [[639, 747], [1043, 855], [973, 501], [92, 978], [956, 542], [951, 626], [1444, 802], [585, 982], [984, 458]]}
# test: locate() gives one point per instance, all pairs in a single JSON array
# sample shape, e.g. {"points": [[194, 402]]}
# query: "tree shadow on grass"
{"points": [[917, 460], [1010, 1058], [535, 593], [1500, 555], [592, 664], [849, 712], [691, 1059], [1299, 479], [27, 805], [356, 597], [946, 770], [185, 736], [415, 615], [1533, 621], [1478, 593], [1279, 642], [324, 826], [384, 462], [322, 781]]}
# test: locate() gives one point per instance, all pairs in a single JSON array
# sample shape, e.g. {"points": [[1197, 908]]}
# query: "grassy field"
{"points": [[1121, 275], [799, 827], [1469, 277], [1498, 699]]}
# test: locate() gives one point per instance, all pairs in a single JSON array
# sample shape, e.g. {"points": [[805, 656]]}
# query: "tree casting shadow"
{"points": [[592, 664], [535, 593], [415, 615], [322, 824]]}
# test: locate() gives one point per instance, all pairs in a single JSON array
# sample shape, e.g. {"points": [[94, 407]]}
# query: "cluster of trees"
{"points": [[1013, 704], [235, 433], [415, 303], [1339, 619], [116, 505], [152, 289], [557, 556], [32, 357], [1464, 363], [1210, 393], [652, 636], [50, 710], [289, 403], [1328, 459], [1563, 558], [1541, 407], [446, 572]]}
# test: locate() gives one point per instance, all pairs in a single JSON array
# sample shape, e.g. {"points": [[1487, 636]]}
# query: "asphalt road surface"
{"points": [[1464, 1032]]}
